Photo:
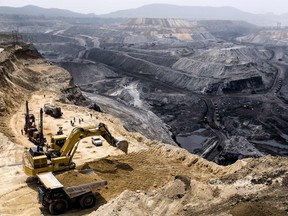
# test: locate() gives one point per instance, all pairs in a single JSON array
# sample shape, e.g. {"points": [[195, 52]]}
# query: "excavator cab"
{"points": [[57, 142]]}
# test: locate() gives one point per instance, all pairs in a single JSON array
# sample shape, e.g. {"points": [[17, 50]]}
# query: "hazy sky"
{"points": [[106, 6]]}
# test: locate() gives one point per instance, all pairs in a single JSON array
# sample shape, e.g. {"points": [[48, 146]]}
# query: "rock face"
{"points": [[21, 73], [233, 68], [18, 69], [274, 37], [164, 30], [236, 148]]}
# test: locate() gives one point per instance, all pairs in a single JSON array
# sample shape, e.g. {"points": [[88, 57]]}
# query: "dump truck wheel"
{"points": [[58, 206], [87, 201]]}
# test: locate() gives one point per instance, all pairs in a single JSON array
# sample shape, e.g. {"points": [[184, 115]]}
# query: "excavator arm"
{"points": [[79, 133]]}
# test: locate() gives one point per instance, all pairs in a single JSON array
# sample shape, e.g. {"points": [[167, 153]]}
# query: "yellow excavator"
{"points": [[59, 154]]}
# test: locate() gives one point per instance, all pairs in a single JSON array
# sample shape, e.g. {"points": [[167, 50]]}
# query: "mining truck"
{"points": [[52, 110], [59, 154], [58, 197]]}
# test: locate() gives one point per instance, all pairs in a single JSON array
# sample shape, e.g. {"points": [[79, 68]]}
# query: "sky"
{"points": [[106, 6]]}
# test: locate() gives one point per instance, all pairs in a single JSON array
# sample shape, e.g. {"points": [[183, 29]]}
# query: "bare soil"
{"points": [[74, 178]]}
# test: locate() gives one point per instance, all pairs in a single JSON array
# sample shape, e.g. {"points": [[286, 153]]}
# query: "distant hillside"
{"points": [[228, 29], [159, 11], [38, 11], [196, 13]]}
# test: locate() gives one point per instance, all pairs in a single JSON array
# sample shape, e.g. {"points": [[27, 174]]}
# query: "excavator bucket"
{"points": [[121, 144]]}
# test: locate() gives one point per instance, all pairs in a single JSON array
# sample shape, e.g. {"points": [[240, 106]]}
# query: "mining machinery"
{"points": [[52, 110], [29, 120], [35, 135], [58, 155], [57, 197]]}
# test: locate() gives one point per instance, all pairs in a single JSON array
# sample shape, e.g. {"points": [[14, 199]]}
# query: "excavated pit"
{"points": [[167, 78], [157, 174]]}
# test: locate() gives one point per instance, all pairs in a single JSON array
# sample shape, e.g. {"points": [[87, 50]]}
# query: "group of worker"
{"points": [[72, 122]]}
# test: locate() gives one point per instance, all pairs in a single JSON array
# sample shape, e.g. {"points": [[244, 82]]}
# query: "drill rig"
{"points": [[34, 135]]}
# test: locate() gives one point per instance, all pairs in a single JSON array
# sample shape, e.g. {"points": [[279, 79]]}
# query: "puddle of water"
{"points": [[191, 142]]}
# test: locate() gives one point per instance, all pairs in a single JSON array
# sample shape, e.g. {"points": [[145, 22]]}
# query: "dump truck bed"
{"points": [[49, 180], [84, 188]]}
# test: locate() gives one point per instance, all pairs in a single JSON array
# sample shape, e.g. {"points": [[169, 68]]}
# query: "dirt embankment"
{"points": [[23, 71], [248, 187]]}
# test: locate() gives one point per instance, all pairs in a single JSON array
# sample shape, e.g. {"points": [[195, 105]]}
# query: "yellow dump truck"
{"points": [[58, 197]]}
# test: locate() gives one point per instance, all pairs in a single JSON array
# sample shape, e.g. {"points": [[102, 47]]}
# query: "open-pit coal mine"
{"points": [[220, 93]]}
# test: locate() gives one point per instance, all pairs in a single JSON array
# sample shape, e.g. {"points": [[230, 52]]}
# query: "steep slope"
{"points": [[21, 71], [204, 71], [162, 30], [272, 37]]}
